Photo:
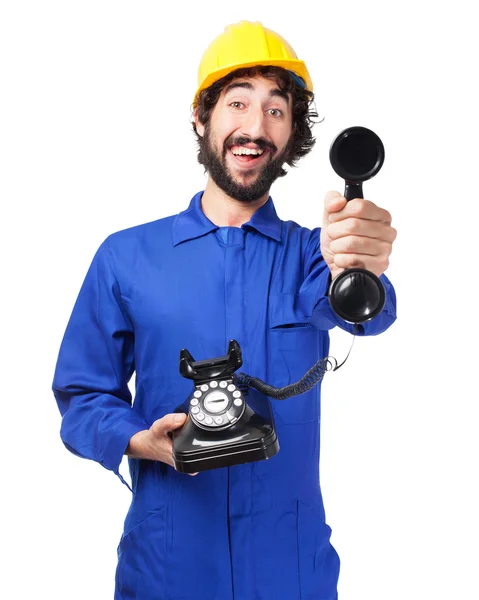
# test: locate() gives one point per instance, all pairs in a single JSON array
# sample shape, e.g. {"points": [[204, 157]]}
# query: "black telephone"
{"points": [[222, 429]]}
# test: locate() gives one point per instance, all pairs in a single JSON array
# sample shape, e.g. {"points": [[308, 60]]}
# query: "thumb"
{"points": [[172, 421], [178, 420], [333, 202]]}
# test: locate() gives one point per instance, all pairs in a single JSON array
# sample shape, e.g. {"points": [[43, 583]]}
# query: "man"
{"points": [[225, 268]]}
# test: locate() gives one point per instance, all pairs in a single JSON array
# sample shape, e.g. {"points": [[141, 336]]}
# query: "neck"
{"points": [[224, 211]]}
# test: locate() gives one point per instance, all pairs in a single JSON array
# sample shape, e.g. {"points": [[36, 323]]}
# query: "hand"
{"points": [[155, 443], [355, 234]]}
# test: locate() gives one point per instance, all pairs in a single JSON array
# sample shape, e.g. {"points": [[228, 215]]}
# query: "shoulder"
{"points": [[142, 231], [123, 250], [154, 233], [298, 234]]}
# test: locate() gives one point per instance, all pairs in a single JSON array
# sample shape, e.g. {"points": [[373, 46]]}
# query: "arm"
{"points": [[95, 363], [355, 233]]}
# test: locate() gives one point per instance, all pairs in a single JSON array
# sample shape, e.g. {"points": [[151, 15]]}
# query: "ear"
{"points": [[200, 128]]}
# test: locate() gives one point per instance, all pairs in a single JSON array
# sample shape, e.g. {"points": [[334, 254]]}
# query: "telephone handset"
{"points": [[357, 154], [222, 429]]}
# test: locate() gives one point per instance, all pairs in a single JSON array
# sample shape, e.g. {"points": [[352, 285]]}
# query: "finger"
{"points": [[167, 451], [362, 209], [191, 474], [375, 264], [354, 244], [362, 227], [170, 462]]}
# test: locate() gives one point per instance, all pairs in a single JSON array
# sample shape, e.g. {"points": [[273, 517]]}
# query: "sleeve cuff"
{"points": [[323, 317], [118, 441]]}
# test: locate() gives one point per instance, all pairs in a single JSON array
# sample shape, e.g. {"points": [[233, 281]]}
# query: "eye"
{"points": [[275, 112], [236, 104]]}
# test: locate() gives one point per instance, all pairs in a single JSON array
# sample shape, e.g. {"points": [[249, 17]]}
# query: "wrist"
{"points": [[139, 446]]}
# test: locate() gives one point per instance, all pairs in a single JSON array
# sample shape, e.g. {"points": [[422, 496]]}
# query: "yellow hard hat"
{"points": [[246, 44]]}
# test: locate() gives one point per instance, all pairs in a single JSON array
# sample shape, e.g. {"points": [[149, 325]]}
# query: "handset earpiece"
{"points": [[357, 154]]}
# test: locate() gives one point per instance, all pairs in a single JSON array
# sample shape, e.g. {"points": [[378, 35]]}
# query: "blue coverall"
{"points": [[249, 532]]}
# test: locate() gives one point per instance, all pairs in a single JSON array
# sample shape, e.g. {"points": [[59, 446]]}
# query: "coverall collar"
{"points": [[193, 223]]}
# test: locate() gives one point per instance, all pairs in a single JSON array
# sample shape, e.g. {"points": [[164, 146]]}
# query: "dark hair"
{"points": [[302, 140]]}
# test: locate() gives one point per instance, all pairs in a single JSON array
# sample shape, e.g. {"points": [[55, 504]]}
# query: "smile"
{"points": [[245, 156]]}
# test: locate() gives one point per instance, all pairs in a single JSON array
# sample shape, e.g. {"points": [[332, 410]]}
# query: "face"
{"points": [[247, 139]]}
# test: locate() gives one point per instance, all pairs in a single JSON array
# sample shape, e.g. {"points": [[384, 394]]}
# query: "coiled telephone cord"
{"points": [[310, 379]]}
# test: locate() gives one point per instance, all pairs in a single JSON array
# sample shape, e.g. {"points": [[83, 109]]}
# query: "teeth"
{"points": [[253, 151]]}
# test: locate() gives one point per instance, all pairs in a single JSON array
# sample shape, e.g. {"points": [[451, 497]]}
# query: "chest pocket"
{"points": [[294, 348]]}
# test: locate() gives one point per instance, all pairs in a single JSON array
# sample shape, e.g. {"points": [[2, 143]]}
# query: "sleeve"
{"points": [[314, 300], [95, 363]]}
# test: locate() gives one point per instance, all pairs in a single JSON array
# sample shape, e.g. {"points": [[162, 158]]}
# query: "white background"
{"points": [[95, 137]]}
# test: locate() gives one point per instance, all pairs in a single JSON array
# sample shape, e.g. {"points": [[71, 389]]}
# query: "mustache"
{"points": [[261, 143]]}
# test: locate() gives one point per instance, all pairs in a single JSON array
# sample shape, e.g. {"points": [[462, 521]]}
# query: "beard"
{"points": [[217, 167]]}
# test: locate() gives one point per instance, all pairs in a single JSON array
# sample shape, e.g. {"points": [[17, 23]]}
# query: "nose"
{"points": [[254, 124]]}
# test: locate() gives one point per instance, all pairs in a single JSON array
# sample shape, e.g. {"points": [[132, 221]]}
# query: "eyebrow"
{"points": [[275, 92]]}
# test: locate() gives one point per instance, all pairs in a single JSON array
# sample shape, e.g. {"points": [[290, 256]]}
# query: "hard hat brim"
{"points": [[297, 66]]}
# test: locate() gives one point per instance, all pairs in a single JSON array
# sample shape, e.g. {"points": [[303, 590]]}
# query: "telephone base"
{"points": [[251, 439]]}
